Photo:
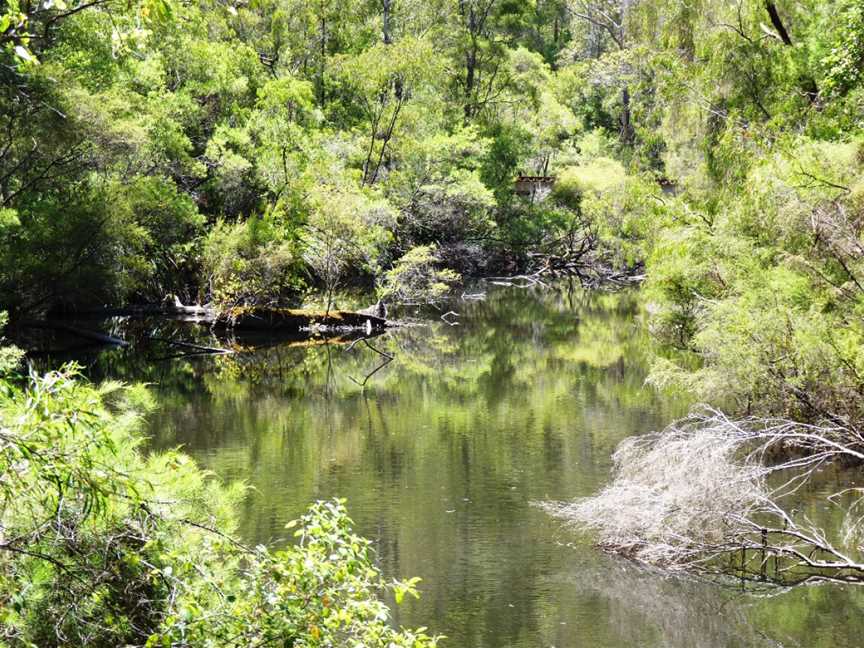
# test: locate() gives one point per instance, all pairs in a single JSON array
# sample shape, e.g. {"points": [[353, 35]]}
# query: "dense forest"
{"points": [[269, 152]]}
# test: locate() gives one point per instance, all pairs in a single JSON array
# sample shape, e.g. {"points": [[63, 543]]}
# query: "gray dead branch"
{"points": [[711, 493]]}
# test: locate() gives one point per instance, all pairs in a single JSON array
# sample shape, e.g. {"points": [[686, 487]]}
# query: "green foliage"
{"points": [[507, 154], [10, 356], [844, 58], [439, 191], [768, 295], [372, 129], [253, 262], [681, 278], [105, 545], [345, 229], [415, 279], [596, 176], [749, 113]]}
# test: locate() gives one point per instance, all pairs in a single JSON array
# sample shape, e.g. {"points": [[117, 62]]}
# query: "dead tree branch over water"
{"points": [[710, 493], [575, 254]]}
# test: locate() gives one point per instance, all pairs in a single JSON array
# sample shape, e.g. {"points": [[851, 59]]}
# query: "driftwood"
{"points": [[176, 306], [378, 309], [575, 254]]}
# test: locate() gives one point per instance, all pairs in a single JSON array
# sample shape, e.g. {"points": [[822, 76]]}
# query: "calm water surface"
{"points": [[443, 453]]}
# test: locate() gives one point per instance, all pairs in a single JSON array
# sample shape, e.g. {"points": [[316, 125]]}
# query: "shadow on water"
{"points": [[441, 454]]}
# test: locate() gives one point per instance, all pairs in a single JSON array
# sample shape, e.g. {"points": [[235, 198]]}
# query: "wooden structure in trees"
{"points": [[534, 187]]}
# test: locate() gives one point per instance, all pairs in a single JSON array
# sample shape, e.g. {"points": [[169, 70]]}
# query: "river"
{"points": [[443, 453]]}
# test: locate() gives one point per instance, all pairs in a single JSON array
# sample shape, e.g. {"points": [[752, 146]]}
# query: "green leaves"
{"points": [[401, 588], [842, 63], [416, 278], [254, 262], [157, 10]]}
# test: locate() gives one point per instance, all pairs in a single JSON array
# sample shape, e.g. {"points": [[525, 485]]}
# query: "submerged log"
{"points": [[87, 334], [289, 319]]}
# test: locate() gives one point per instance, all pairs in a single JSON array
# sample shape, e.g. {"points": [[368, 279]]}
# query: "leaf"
{"points": [[24, 54]]}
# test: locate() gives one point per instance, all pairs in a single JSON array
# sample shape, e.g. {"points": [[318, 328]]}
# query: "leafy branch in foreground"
{"points": [[102, 544], [416, 278], [714, 494]]}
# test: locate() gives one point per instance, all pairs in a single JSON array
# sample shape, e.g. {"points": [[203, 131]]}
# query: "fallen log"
{"points": [[289, 319], [260, 318], [177, 307]]}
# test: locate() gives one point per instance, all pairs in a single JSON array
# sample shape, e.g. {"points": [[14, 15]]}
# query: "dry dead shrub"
{"points": [[714, 493]]}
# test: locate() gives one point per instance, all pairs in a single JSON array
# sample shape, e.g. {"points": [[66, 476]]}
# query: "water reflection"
{"points": [[441, 455]]}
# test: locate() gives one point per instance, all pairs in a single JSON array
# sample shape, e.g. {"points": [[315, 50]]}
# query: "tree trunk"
{"points": [[388, 39], [471, 64], [323, 62], [808, 83], [778, 22], [627, 133]]}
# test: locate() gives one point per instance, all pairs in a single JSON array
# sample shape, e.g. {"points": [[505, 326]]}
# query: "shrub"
{"points": [[415, 278], [597, 175], [10, 356], [253, 262], [767, 291], [345, 229]]}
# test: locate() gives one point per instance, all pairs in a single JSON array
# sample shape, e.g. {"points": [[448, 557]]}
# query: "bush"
{"points": [[440, 195], [626, 213], [100, 241], [10, 356], [767, 291], [597, 175], [105, 545], [251, 263], [415, 279], [345, 229]]}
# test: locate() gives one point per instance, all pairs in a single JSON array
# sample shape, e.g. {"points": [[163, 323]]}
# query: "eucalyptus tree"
{"points": [[345, 230], [605, 34], [387, 81], [484, 29]]}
